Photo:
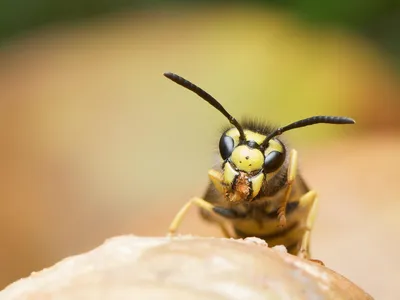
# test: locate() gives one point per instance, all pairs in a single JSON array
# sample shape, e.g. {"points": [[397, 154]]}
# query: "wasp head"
{"points": [[247, 163]]}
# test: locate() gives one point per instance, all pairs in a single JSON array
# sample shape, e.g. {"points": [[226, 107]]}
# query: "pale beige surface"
{"points": [[131, 267]]}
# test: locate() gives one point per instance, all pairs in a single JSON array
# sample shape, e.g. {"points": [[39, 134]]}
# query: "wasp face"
{"points": [[246, 164]]}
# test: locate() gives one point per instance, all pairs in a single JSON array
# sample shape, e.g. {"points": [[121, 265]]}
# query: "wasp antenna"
{"points": [[307, 122], [207, 97]]}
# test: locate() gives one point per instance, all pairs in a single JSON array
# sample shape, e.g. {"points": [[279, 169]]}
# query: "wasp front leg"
{"points": [[176, 222], [291, 176], [199, 202], [216, 179], [308, 201]]}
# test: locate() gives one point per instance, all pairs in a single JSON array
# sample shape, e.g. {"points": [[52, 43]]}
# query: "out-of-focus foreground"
{"points": [[130, 267], [95, 142]]}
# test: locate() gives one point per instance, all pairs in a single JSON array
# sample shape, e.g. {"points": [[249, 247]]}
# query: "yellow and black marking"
{"points": [[258, 191]]}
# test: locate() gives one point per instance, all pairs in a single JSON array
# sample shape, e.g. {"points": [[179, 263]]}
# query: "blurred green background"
{"points": [[95, 142], [378, 20]]}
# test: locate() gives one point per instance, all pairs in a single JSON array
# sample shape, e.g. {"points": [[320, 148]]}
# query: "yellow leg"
{"points": [[308, 200], [291, 176], [176, 222]]}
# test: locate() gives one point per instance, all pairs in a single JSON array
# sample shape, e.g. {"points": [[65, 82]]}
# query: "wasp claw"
{"points": [[282, 221], [171, 234], [317, 261]]}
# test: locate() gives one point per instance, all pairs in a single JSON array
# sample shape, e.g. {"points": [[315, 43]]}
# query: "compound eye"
{"points": [[226, 146], [273, 161]]}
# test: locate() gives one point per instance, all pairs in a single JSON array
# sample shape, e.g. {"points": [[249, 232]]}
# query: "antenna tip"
{"points": [[169, 74], [340, 120]]}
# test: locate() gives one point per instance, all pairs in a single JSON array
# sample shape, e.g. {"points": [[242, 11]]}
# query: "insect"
{"points": [[258, 190]]}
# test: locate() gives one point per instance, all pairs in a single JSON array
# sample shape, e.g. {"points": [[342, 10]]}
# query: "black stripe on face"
{"points": [[250, 196], [233, 184]]}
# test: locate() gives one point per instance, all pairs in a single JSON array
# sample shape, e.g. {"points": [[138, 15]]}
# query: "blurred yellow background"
{"points": [[95, 142]]}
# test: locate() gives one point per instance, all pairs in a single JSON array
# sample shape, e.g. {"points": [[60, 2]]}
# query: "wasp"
{"points": [[258, 190]]}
